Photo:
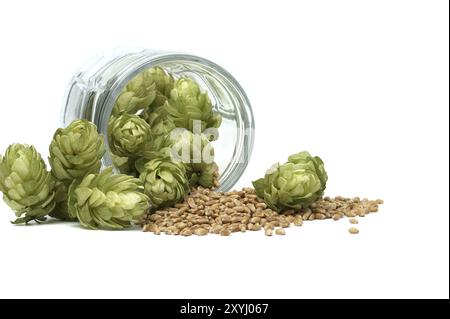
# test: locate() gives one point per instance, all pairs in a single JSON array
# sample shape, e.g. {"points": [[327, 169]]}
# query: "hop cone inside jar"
{"points": [[27, 186], [107, 201], [295, 184], [164, 84], [197, 153], [137, 95], [128, 135], [161, 126], [189, 106], [165, 181]]}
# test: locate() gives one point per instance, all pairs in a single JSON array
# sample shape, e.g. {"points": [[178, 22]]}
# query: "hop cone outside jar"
{"points": [[305, 157], [107, 201], [27, 187], [295, 184], [188, 107], [75, 152], [165, 182]]}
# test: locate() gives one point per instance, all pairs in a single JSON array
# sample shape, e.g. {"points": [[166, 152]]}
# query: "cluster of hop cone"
{"points": [[158, 127], [154, 118]]}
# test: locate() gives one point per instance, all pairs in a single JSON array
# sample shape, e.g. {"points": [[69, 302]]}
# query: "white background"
{"points": [[363, 84]]}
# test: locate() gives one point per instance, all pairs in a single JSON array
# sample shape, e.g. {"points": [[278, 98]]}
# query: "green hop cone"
{"points": [[164, 85], [293, 185], [161, 125], [197, 153], [122, 164], [206, 175], [305, 157], [27, 187], [107, 201], [188, 107], [147, 90], [138, 94], [165, 182], [128, 135], [75, 152]]}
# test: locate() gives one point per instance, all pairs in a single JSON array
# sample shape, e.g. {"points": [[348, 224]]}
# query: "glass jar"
{"points": [[95, 87]]}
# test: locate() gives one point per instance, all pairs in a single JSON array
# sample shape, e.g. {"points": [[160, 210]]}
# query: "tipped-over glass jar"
{"points": [[95, 88]]}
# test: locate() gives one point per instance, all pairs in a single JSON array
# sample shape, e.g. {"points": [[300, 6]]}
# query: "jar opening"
{"points": [[236, 134]]}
